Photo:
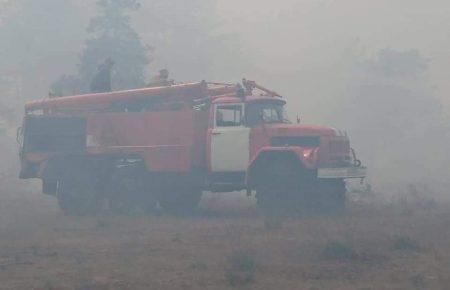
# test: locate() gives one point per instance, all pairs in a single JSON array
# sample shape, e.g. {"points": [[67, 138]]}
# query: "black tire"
{"points": [[129, 191], [316, 197], [285, 187], [278, 184], [77, 198], [270, 198], [180, 201], [332, 195]]}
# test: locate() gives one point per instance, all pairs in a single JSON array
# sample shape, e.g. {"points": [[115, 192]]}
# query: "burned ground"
{"points": [[394, 246]]}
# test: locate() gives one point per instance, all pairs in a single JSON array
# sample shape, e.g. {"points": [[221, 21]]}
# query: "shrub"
{"points": [[50, 284], [339, 251], [418, 281], [241, 268], [404, 243], [273, 222], [199, 265], [103, 223]]}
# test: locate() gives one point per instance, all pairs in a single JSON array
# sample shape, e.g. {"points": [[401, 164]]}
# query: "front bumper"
{"points": [[342, 172]]}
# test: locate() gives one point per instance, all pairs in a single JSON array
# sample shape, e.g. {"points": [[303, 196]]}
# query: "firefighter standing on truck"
{"points": [[101, 82], [161, 80]]}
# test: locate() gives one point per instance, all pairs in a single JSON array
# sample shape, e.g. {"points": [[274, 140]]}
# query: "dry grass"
{"points": [[42, 249]]}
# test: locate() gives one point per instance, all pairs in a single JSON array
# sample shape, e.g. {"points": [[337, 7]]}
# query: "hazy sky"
{"points": [[298, 46], [290, 35]]}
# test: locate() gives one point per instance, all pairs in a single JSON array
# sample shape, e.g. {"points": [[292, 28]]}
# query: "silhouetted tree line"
{"points": [[114, 56], [394, 118]]}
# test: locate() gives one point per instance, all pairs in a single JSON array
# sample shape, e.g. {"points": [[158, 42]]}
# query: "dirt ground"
{"points": [[371, 247]]}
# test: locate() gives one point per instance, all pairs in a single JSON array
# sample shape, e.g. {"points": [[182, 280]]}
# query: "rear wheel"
{"points": [[78, 197], [129, 191], [180, 201]]}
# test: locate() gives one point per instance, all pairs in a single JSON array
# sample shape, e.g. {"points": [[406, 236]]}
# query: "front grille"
{"points": [[339, 152], [300, 141], [339, 147]]}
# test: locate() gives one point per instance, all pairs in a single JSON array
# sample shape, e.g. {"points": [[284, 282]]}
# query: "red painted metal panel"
{"points": [[168, 140], [260, 136]]}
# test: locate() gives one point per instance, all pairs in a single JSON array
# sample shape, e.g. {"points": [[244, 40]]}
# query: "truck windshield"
{"points": [[267, 112]]}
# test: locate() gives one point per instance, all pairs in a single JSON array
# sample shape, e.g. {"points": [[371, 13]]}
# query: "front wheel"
{"points": [[332, 196], [309, 197]]}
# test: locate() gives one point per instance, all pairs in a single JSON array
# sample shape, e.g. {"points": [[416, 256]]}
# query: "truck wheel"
{"points": [[332, 195], [77, 198], [286, 187], [271, 201], [277, 187], [180, 201], [124, 201], [129, 191], [321, 197]]}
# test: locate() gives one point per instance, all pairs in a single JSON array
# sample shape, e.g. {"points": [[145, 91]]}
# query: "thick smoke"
{"points": [[395, 120], [376, 68]]}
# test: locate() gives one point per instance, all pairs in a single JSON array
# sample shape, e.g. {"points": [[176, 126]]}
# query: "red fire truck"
{"points": [[168, 144]]}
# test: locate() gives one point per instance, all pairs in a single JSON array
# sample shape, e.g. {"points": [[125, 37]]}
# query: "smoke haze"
{"points": [[310, 51]]}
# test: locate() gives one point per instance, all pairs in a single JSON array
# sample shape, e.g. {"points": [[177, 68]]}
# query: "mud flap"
{"points": [[49, 187]]}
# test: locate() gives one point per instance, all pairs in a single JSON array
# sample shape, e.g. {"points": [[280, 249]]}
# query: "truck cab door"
{"points": [[230, 139]]}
